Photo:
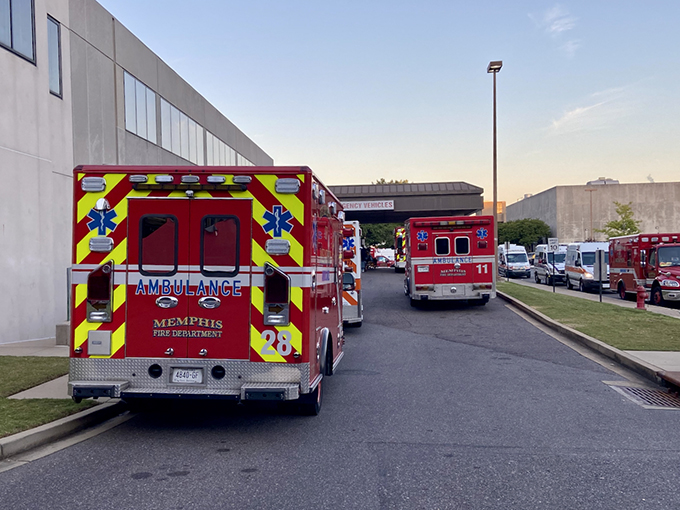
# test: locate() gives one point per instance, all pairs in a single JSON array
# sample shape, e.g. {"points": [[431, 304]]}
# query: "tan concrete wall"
{"points": [[567, 209]]}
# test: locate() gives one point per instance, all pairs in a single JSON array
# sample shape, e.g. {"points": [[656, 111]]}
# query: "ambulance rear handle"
{"points": [[167, 302], [209, 302]]}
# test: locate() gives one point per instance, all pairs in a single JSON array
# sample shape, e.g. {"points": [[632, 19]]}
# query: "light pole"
{"points": [[493, 68]]}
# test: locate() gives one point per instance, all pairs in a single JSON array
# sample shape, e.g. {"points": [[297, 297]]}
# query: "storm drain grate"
{"points": [[649, 398]]}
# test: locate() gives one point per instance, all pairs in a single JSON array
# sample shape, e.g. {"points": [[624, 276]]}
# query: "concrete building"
{"points": [[575, 212], [77, 88]]}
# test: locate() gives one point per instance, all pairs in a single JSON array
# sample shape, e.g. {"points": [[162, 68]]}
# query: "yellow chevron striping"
{"points": [[80, 334], [296, 297], [289, 201], [119, 293], [87, 203], [257, 343], [81, 294], [257, 298]]}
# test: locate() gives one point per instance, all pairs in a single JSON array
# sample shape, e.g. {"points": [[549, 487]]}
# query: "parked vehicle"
{"points": [[450, 258], [352, 299], [653, 260], [549, 266], [513, 262], [205, 282], [579, 263], [382, 261]]}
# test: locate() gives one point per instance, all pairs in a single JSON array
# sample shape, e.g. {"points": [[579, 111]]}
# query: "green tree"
{"points": [[380, 235], [527, 232], [392, 181], [625, 225]]}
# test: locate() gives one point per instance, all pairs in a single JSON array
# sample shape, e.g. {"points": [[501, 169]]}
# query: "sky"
{"points": [[360, 90]]}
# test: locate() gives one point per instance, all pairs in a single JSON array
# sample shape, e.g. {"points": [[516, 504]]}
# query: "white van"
{"points": [[549, 266], [579, 266], [514, 262]]}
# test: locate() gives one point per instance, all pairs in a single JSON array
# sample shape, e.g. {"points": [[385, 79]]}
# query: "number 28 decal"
{"points": [[283, 346]]}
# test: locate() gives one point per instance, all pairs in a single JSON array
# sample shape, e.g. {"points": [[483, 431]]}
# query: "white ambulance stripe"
{"points": [[462, 259]]}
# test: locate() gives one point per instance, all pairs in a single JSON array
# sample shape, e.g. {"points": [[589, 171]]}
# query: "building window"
{"points": [[181, 135], [218, 152], [17, 31], [54, 55], [140, 109]]}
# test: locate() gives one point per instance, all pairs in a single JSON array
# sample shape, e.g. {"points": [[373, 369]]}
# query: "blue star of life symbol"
{"points": [[102, 220], [347, 243], [482, 233], [422, 236], [278, 220]]}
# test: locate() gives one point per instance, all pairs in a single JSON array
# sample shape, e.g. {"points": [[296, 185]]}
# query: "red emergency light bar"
{"points": [[451, 223]]}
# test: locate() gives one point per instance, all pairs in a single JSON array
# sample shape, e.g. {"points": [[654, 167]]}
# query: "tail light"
{"points": [[99, 293], [276, 296]]}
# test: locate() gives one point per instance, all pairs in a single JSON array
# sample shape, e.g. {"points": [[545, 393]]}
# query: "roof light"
{"points": [[333, 207], [93, 184], [277, 246], [287, 185], [164, 179], [322, 196], [242, 179], [138, 178], [190, 179], [216, 179]]}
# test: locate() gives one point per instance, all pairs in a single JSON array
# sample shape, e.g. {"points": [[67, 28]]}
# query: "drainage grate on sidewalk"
{"points": [[649, 398]]}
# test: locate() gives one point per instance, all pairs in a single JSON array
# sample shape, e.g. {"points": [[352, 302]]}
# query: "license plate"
{"points": [[187, 375]]}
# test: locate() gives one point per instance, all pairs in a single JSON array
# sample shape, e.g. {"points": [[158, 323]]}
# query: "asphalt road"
{"points": [[449, 407]]}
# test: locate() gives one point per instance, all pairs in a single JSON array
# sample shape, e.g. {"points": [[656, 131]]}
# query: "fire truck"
{"points": [[652, 260], [205, 282], [450, 258], [400, 249], [352, 302]]}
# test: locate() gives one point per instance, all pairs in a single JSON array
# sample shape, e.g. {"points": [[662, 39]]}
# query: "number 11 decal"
{"points": [[483, 268]]}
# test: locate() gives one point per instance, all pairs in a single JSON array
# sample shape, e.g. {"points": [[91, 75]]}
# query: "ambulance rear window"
{"points": [[158, 245], [220, 245], [442, 246], [462, 245]]}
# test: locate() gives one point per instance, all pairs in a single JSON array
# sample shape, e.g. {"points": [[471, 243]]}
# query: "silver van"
{"points": [[549, 266]]}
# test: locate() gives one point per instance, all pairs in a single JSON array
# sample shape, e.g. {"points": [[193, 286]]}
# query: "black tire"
{"points": [[656, 297], [329, 357], [621, 290], [310, 404], [581, 287], [414, 302], [536, 278], [569, 285], [358, 324]]}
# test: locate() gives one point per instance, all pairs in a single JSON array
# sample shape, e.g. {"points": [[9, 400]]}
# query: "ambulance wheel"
{"points": [[656, 298], [569, 285], [536, 277], [310, 404], [581, 287], [414, 302], [329, 358], [77, 400], [621, 290]]}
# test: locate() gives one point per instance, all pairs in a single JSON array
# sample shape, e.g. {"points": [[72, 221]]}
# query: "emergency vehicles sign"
{"points": [[422, 236], [482, 233], [277, 220]]}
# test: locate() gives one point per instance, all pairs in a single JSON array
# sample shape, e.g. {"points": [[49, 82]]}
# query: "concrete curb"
{"points": [[639, 366], [50, 432]]}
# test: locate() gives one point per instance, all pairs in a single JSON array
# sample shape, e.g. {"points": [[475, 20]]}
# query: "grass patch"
{"points": [[20, 373], [624, 328]]}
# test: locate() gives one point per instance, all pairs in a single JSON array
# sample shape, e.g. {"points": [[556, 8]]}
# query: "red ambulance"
{"points": [[450, 258], [652, 260], [206, 282]]}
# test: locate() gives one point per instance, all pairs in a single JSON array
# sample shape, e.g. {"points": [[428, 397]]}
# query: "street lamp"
{"points": [[493, 68]]}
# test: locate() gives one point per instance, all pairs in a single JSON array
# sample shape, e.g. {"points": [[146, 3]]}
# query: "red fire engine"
{"points": [[213, 282], [450, 258], [652, 260]]}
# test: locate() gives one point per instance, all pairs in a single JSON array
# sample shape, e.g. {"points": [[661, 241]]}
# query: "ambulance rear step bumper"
{"points": [[270, 391], [95, 389]]}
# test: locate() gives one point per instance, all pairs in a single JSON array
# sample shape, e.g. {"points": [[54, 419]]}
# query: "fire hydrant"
{"points": [[641, 297]]}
